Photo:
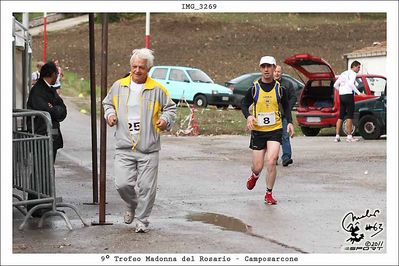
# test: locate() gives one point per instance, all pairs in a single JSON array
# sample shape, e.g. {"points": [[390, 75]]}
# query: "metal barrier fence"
{"points": [[33, 169]]}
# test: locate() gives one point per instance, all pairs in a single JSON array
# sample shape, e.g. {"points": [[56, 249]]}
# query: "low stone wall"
{"points": [[52, 17]]}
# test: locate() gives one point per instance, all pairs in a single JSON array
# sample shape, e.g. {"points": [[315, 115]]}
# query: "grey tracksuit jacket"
{"points": [[154, 100]]}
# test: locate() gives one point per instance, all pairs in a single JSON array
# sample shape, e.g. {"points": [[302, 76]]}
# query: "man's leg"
{"points": [[54, 154], [39, 213], [258, 157], [338, 126], [349, 126], [341, 117], [273, 149], [147, 187], [125, 167], [351, 109], [286, 145]]}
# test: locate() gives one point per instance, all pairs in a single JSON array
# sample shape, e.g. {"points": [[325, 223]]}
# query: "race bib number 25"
{"points": [[266, 119], [134, 127]]}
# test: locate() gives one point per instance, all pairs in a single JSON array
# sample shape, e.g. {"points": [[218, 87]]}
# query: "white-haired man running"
{"points": [[140, 108]]}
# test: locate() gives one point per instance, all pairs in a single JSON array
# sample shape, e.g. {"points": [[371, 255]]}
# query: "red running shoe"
{"points": [[251, 182], [269, 199]]}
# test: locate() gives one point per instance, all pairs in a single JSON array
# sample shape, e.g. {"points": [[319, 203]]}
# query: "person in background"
{"points": [[289, 91], [346, 85], [140, 108], [265, 123], [36, 74], [57, 85]]}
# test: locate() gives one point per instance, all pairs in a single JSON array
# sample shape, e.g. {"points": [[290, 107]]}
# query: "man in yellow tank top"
{"points": [[260, 107]]}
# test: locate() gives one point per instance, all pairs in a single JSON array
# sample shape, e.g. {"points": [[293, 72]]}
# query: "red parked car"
{"points": [[318, 104]]}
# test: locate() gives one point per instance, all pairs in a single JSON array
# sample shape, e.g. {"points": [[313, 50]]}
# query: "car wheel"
{"points": [[369, 127], [200, 101], [344, 131], [310, 132]]}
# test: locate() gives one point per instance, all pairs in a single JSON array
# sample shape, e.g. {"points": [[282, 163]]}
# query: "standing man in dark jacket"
{"points": [[289, 91], [43, 97]]}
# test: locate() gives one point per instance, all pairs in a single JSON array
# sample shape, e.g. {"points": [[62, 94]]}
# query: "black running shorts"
{"points": [[346, 106], [259, 138]]}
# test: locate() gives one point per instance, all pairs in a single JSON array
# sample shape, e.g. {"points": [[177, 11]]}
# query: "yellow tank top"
{"points": [[266, 108]]}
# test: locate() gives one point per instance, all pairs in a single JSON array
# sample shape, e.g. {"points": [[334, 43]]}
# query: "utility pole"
{"points": [[44, 37], [147, 30]]}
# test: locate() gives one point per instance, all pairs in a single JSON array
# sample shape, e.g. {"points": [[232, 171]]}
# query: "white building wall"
{"points": [[19, 79], [371, 65]]}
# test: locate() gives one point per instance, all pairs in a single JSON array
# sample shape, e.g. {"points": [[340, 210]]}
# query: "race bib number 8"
{"points": [[266, 119]]}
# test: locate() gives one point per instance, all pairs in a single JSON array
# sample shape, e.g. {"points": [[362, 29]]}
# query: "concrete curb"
{"points": [[60, 25], [50, 19]]}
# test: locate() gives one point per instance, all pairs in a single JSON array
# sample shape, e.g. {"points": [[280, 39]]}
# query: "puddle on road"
{"points": [[233, 224], [223, 221]]}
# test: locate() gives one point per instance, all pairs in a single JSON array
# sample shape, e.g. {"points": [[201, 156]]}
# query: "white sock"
{"points": [[337, 136]]}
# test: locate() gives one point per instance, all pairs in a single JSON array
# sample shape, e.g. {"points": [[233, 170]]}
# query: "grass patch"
{"points": [[18, 16], [212, 121], [78, 90], [73, 85], [327, 131]]}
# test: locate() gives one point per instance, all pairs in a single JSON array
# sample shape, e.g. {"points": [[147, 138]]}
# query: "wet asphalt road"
{"points": [[202, 203]]}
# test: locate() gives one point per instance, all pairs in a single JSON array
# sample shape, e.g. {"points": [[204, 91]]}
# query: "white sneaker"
{"points": [[141, 227], [351, 139], [128, 217], [337, 139]]}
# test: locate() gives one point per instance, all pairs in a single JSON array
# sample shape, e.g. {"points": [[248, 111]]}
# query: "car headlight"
{"points": [[215, 92]]}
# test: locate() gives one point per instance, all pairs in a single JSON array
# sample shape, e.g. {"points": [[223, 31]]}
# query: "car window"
{"points": [[297, 86], [316, 68], [321, 83], [377, 85], [241, 78], [296, 83], [248, 83], [160, 73], [178, 75], [199, 76], [360, 85]]}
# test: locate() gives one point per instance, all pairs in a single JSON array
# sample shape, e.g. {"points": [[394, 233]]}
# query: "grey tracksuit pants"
{"points": [[136, 177]]}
